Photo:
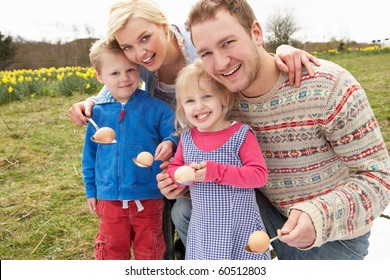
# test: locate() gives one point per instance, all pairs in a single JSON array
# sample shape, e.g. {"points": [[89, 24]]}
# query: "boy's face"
{"points": [[119, 74], [229, 54]]}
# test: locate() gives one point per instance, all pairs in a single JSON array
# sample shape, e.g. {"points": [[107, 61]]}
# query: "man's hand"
{"points": [[298, 231]]}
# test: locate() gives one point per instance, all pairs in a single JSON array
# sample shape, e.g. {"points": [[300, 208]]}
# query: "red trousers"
{"points": [[120, 229]]}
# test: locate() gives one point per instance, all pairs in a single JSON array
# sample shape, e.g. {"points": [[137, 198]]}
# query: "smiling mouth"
{"points": [[149, 59], [126, 86], [202, 116], [231, 72]]}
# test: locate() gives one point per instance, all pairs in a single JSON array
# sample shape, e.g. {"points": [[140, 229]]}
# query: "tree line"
{"points": [[22, 54]]}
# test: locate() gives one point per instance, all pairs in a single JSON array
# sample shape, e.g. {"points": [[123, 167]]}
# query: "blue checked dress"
{"points": [[223, 216]]}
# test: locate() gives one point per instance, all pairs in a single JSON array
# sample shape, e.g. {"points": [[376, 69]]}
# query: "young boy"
{"points": [[123, 195]]}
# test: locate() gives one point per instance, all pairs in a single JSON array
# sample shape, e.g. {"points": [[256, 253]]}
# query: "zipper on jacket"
{"points": [[122, 113], [121, 116]]}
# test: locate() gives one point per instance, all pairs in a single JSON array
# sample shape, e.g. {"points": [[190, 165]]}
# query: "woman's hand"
{"points": [[290, 60], [168, 187], [80, 112]]}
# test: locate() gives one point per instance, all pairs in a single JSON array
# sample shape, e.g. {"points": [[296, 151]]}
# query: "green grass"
{"points": [[42, 204], [43, 210]]}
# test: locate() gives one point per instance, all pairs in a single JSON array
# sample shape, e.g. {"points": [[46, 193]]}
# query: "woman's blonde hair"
{"points": [[188, 81], [121, 12]]}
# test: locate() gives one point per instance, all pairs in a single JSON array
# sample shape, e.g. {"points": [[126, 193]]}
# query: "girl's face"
{"points": [[144, 42], [204, 109]]}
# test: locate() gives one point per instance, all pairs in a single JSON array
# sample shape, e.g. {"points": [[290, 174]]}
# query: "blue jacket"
{"points": [[109, 172]]}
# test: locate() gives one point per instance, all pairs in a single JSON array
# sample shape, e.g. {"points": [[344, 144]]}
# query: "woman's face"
{"points": [[144, 42]]}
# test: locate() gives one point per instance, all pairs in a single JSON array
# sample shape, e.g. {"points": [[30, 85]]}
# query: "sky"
{"points": [[60, 21]]}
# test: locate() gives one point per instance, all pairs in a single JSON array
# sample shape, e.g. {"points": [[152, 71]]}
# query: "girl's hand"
{"points": [[200, 171]]}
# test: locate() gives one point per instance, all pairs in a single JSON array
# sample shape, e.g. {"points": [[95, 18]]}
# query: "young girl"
{"points": [[228, 163]]}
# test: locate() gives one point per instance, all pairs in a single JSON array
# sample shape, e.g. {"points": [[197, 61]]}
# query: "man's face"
{"points": [[229, 54]]}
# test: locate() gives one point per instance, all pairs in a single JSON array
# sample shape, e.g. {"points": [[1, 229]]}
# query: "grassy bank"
{"points": [[42, 206]]}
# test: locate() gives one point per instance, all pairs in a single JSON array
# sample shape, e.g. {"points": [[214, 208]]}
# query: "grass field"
{"points": [[43, 210]]}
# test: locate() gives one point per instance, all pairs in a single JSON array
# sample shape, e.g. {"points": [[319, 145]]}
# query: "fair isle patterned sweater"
{"points": [[323, 149]]}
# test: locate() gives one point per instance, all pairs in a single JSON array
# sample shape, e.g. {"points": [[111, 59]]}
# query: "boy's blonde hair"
{"points": [[98, 48], [187, 82], [207, 9], [122, 11]]}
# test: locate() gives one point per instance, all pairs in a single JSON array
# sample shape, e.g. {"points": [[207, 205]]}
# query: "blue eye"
{"points": [[126, 48], [145, 38], [204, 54]]}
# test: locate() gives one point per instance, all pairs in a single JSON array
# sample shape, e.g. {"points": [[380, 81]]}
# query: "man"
{"points": [[329, 170]]}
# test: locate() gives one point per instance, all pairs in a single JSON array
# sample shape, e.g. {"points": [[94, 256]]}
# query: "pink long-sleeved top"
{"points": [[253, 172]]}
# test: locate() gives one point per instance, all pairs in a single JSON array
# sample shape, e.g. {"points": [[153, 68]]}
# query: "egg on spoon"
{"points": [[104, 135], [144, 159]]}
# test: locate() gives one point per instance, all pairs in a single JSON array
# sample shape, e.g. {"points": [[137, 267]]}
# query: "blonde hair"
{"points": [[207, 9], [122, 11], [187, 82], [98, 48]]}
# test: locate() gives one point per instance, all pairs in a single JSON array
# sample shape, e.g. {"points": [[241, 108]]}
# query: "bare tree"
{"points": [[280, 29], [89, 31]]}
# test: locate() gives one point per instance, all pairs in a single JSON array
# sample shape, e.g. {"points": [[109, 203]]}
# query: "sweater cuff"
{"points": [[211, 173], [317, 220]]}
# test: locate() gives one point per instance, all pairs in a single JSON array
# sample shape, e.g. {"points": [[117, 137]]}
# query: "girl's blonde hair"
{"points": [[187, 82], [121, 12]]}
